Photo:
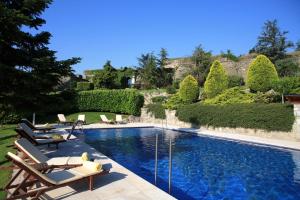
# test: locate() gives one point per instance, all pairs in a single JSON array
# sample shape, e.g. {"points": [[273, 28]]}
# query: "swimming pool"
{"points": [[202, 167]]}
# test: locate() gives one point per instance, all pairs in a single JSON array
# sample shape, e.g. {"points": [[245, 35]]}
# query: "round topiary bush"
{"points": [[261, 74], [217, 80], [189, 89]]}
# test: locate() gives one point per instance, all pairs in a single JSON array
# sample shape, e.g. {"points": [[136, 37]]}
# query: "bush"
{"points": [[116, 101], [189, 90], [234, 81], [171, 90], [232, 96], [268, 97], [261, 74], [217, 80], [173, 102], [82, 86], [157, 110], [271, 117], [159, 99], [295, 91]]}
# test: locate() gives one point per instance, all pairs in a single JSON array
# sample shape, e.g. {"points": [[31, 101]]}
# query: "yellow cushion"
{"points": [[57, 136], [85, 156], [93, 166]]}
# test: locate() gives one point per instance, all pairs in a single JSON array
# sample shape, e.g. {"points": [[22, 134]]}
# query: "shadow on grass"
{"points": [[8, 137]]}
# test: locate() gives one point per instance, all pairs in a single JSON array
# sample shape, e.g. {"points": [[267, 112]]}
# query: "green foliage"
{"points": [[286, 84], [159, 99], [81, 86], [173, 102], [230, 56], [234, 81], [261, 74], [287, 67], [29, 69], [271, 117], [232, 96], [295, 91], [272, 42], [267, 97], [157, 110], [202, 60], [217, 80], [117, 101], [171, 89], [105, 78], [189, 89], [152, 72]]}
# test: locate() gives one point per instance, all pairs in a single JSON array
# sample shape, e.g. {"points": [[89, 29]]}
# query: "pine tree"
{"points": [[29, 70], [217, 80], [261, 74], [272, 42]]}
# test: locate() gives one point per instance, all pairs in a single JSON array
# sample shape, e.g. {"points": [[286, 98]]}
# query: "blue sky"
{"points": [[121, 30]]}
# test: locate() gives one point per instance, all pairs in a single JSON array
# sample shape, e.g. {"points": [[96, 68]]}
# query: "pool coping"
{"points": [[242, 138]]}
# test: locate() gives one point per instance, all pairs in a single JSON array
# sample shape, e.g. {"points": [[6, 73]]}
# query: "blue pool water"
{"points": [[203, 167]]}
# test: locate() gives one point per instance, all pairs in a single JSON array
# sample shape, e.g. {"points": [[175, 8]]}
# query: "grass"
{"points": [[7, 137]]}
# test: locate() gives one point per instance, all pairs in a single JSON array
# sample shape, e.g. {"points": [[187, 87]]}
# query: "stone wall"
{"points": [[172, 120]]}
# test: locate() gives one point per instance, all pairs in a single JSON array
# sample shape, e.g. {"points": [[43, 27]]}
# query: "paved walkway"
{"points": [[119, 184]]}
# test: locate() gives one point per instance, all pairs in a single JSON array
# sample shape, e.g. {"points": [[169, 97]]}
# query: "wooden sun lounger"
{"points": [[40, 140], [34, 128], [45, 182], [35, 155], [105, 120], [62, 120]]}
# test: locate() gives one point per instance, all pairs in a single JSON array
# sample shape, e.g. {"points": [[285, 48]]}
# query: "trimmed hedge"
{"points": [[157, 110], [271, 117], [189, 89], [82, 86], [116, 101]]}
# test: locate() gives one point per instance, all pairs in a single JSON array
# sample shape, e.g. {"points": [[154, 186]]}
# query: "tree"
{"points": [[202, 60], [189, 89], [217, 80], [285, 85], [229, 55], [147, 70], [261, 74], [297, 46], [29, 70], [165, 75], [272, 42], [287, 67], [105, 78]]}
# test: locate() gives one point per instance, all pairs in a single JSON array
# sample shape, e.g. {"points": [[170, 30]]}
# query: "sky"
{"points": [[121, 30]]}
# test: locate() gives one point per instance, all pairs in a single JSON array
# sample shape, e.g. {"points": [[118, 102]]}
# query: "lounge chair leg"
{"points": [[91, 183]]}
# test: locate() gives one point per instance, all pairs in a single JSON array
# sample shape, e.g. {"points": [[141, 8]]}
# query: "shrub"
{"points": [[261, 74], [159, 99], [268, 97], [173, 102], [295, 91], [271, 117], [232, 96], [157, 110], [189, 90], [171, 90], [81, 86], [217, 80], [234, 81], [116, 101]]}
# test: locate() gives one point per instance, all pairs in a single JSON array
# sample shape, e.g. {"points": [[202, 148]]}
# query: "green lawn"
{"points": [[7, 137]]}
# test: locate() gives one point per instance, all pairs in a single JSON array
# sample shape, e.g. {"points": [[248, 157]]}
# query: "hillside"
{"points": [[183, 65]]}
